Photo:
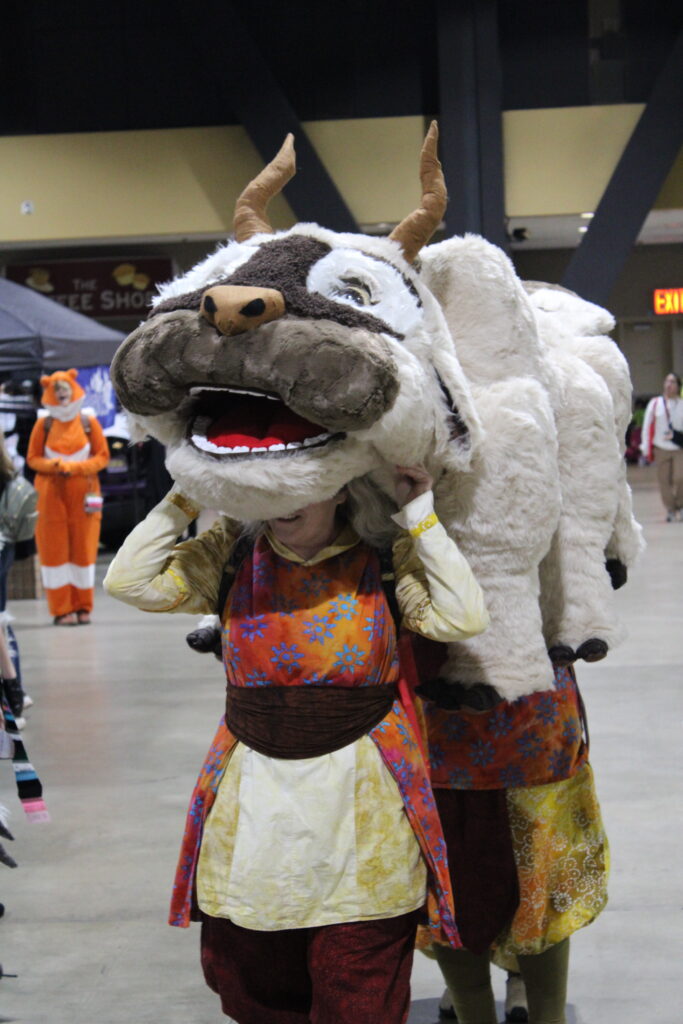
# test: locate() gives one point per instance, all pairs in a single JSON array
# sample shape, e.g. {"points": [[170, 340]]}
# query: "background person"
{"points": [[67, 449], [663, 413], [17, 526]]}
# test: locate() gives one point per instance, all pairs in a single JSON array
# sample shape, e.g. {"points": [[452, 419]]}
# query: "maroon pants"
{"points": [[356, 973]]}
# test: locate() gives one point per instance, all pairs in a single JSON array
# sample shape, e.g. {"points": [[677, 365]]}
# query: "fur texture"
{"points": [[456, 367]]}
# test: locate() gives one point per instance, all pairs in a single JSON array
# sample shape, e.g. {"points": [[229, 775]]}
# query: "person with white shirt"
{"points": [[663, 416]]}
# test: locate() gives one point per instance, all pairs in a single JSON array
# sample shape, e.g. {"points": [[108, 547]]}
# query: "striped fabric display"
{"points": [[29, 786]]}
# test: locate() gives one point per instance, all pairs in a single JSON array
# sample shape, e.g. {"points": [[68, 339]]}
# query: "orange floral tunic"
{"points": [[289, 624]]}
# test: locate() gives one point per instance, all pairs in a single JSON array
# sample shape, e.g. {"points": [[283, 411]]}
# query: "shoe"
{"points": [[516, 1011], [20, 722], [446, 1011], [670, 516], [28, 701], [83, 618], [65, 620]]}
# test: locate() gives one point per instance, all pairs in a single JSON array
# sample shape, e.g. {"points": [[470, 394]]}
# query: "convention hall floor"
{"points": [[123, 714]]}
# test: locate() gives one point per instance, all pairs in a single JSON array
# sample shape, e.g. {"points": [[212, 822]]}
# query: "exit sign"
{"points": [[668, 300]]}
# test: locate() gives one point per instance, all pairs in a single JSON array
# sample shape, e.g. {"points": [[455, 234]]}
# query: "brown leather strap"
{"points": [[294, 722]]}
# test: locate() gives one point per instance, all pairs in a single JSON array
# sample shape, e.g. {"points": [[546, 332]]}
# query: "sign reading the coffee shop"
{"points": [[97, 288], [668, 300]]}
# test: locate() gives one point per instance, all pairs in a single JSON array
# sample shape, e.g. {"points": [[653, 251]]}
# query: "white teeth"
{"points": [[234, 391], [203, 443]]}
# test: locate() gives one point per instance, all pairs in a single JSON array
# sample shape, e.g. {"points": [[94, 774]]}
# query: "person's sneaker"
{"points": [[28, 701], [20, 722], [516, 1011], [670, 516], [446, 1011]]}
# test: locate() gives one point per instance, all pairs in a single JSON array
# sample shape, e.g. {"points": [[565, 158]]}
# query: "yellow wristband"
{"points": [[425, 525], [184, 504]]}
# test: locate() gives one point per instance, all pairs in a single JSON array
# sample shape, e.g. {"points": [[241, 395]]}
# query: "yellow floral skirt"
{"points": [[562, 858]]}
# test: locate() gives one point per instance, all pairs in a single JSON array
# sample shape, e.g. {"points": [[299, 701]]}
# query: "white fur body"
{"points": [[533, 490]]}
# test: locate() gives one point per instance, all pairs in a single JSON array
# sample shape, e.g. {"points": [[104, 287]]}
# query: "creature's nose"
{"points": [[233, 309]]}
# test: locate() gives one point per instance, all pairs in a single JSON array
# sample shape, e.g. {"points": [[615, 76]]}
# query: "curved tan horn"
{"points": [[250, 209], [417, 228]]}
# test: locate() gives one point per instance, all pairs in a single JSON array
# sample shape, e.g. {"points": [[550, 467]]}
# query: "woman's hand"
{"points": [[410, 482]]}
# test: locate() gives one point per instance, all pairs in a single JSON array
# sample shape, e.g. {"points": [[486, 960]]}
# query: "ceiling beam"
{"points": [[633, 188], [245, 81]]}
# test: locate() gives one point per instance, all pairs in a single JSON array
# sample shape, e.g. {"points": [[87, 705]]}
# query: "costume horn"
{"points": [[250, 209], [417, 228]]}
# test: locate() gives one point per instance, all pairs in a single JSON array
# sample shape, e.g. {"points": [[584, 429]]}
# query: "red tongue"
{"points": [[283, 429]]}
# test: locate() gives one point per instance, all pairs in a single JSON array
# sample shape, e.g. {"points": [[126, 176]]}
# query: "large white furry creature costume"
{"points": [[285, 365]]}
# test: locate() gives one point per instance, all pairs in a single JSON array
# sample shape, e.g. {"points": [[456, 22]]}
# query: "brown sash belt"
{"points": [[304, 721]]}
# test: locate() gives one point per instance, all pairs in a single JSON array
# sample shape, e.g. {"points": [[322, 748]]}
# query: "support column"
{"points": [[470, 118]]}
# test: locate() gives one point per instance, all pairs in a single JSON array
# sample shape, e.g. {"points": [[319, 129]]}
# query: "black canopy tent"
{"points": [[39, 335]]}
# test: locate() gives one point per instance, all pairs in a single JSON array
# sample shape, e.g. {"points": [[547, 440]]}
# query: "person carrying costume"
{"points": [[312, 840], [663, 423], [67, 450], [524, 834]]}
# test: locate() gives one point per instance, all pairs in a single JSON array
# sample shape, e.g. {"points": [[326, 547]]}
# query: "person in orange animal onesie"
{"points": [[67, 449]]}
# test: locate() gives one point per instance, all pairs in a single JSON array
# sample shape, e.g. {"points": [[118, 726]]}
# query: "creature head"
{"points": [[62, 394], [285, 365]]}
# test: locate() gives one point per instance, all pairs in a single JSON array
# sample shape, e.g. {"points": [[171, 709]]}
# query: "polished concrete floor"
{"points": [[123, 714]]}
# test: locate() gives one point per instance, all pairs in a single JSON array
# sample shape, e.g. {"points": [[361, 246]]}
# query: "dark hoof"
{"points": [[204, 640], [562, 655], [618, 572], [592, 650], [451, 695]]}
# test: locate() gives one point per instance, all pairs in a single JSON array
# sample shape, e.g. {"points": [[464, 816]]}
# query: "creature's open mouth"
{"points": [[234, 421]]}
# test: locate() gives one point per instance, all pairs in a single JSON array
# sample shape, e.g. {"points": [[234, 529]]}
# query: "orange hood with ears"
{"points": [[48, 383]]}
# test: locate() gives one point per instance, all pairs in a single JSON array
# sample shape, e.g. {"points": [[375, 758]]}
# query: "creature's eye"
{"points": [[353, 290]]}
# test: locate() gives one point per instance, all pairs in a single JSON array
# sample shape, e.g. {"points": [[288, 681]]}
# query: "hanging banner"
{"points": [[98, 288], [99, 393]]}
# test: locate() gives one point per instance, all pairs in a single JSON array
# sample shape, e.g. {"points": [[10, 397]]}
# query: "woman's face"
{"points": [[63, 392], [312, 527]]}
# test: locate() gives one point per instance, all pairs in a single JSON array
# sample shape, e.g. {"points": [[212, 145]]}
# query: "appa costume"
{"points": [[67, 450], [285, 366], [313, 809]]}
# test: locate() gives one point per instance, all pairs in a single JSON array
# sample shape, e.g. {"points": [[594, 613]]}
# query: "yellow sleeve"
{"points": [[436, 591], [151, 572]]}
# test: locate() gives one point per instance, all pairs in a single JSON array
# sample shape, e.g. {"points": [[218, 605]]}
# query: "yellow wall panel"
{"points": [[183, 182]]}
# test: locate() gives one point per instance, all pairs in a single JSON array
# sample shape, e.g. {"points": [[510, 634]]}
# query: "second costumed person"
{"points": [[67, 449]]}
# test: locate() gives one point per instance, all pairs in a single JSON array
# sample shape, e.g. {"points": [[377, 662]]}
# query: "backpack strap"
{"points": [[242, 547], [85, 423], [386, 566]]}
